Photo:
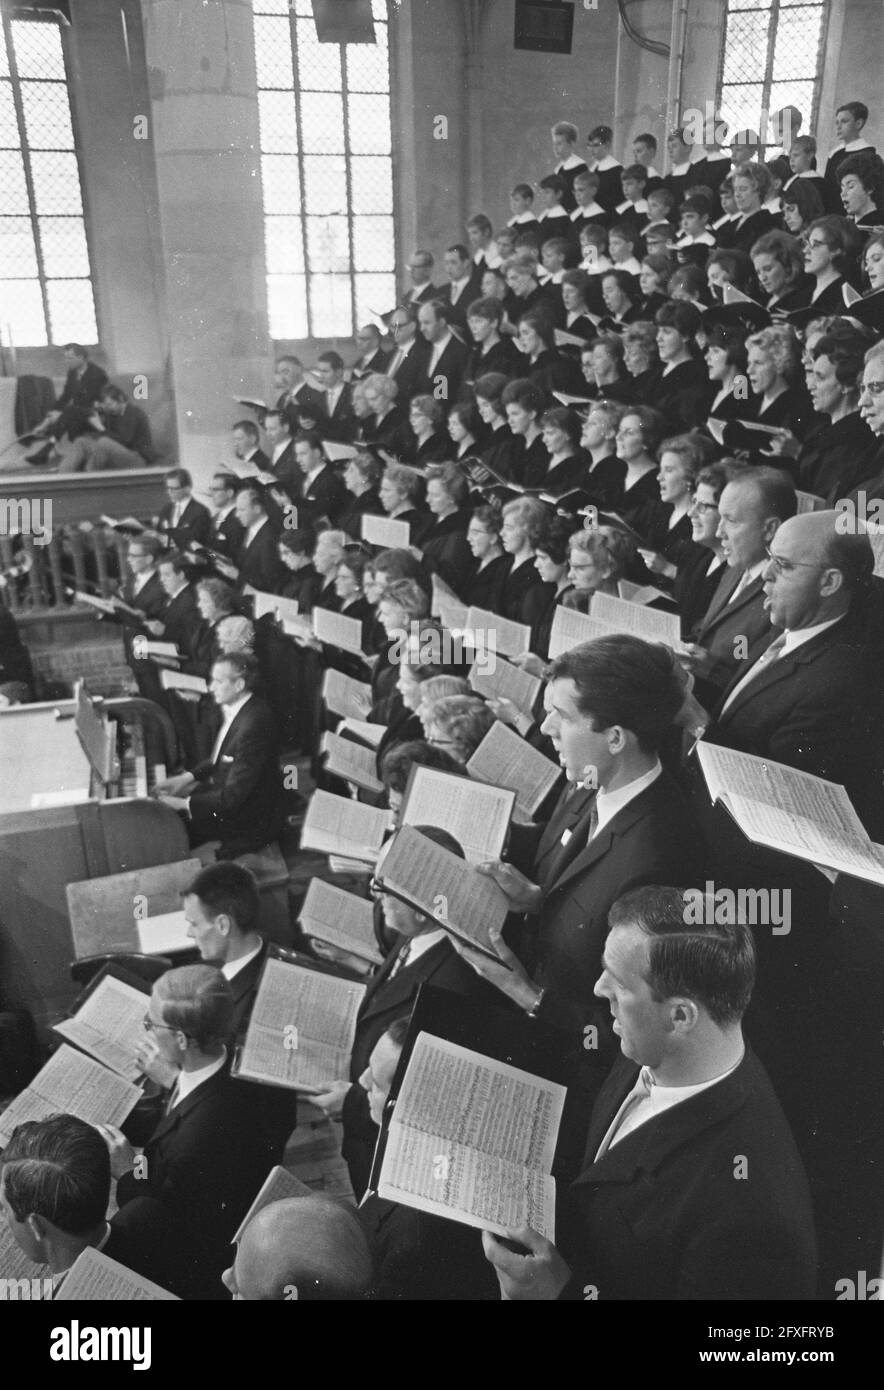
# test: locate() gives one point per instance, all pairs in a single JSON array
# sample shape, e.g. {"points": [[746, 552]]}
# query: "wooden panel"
{"points": [[102, 910], [86, 496]]}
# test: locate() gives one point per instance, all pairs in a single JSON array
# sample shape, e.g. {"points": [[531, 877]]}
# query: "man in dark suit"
{"points": [[612, 702], [372, 357], [298, 400], [207, 1157], [692, 1187], [420, 273], [736, 627], [227, 529], [422, 954], [142, 590], [55, 1183], [807, 700], [281, 476], [410, 350], [323, 494], [83, 386], [183, 519], [464, 284], [235, 796], [444, 367], [246, 439], [338, 421], [179, 623], [257, 561]]}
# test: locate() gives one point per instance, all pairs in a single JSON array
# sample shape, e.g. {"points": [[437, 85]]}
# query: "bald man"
{"points": [[305, 1248]]}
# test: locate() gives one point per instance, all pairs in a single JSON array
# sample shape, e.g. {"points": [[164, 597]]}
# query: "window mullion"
{"points": [[767, 81], [348, 176], [29, 176], [302, 181]]}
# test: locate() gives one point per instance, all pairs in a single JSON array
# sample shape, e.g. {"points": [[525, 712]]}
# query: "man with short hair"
{"points": [[119, 437], [235, 795], [410, 350], [310, 1249], [682, 159], [464, 284], [372, 357], [850, 120], [227, 531], [246, 441], [568, 161], [480, 235], [444, 367], [752, 506], [83, 386], [55, 1187], [183, 519], [207, 1157], [338, 421], [601, 162], [297, 399], [420, 273], [644, 151], [323, 494], [281, 475], [257, 562], [691, 1186]]}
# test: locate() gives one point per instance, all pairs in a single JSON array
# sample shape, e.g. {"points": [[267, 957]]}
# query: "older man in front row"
{"points": [[691, 1186]]}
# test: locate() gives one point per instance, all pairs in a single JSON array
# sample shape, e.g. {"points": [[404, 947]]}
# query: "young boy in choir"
{"points": [[661, 205], [568, 162], [694, 233], [554, 220], [634, 207], [593, 250], [522, 208], [554, 256], [602, 162], [644, 152], [622, 242], [588, 209], [729, 210]]}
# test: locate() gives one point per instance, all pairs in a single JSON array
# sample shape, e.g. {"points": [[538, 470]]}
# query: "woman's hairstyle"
{"points": [[431, 408], [236, 634], [757, 175], [683, 317], [689, 278], [466, 413], [560, 418], [524, 393], [462, 719], [525, 265], [868, 167], [382, 385], [220, 593], [804, 196], [490, 517], [452, 480], [780, 344], [785, 249], [612, 344], [397, 762], [490, 387], [660, 264], [406, 595], [643, 334], [301, 541], [554, 538], [357, 562], [408, 482], [197, 1000], [613, 412], [541, 326], [608, 546], [578, 280], [715, 476], [689, 450], [841, 237], [653, 424], [390, 565], [626, 283], [529, 513], [735, 264], [490, 309], [846, 350], [370, 469]]}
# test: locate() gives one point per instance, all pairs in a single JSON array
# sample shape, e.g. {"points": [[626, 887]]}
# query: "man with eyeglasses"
{"points": [[422, 953], [183, 519], [420, 273], [736, 627], [410, 352], [227, 529], [807, 699], [871, 408], [207, 1156]]}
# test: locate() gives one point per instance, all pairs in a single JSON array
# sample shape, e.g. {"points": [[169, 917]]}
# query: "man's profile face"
{"points": [[429, 324], [455, 268], [377, 1078], [741, 527], [243, 444], [306, 457], [419, 271], [640, 1021], [226, 685], [205, 932], [328, 375], [580, 747], [284, 376]]}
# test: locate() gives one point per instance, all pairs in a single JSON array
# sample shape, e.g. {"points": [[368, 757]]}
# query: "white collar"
{"points": [[600, 166], [572, 162], [419, 945], [188, 1081], [527, 216], [851, 147], [556, 211], [798, 636], [640, 205], [254, 529], [231, 968], [313, 475], [609, 803], [594, 210], [280, 447]]}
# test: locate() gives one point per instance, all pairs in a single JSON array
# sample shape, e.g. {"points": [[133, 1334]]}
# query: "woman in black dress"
{"points": [[524, 403], [639, 435], [561, 436], [681, 389], [401, 494], [362, 478], [483, 587], [464, 423], [548, 368], [523, 522], [778, 259], [828, 248], [429, 438], [493, 352]]}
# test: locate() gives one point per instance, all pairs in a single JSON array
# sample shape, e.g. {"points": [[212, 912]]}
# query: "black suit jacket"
{"points": [[81, 392], [725, 620], [182, 622], [150, 599], [408, 375], [378, 362], [205, 1162], [341, 424], [416, 1256], [325, 496], [194, 524], [472, 290], [303, 409], [665, 1214], [258, 562], [227, 535], [239, 800], [451, 368]]}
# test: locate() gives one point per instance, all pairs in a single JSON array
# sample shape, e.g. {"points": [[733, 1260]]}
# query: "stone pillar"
{"points": [[204, 118]]}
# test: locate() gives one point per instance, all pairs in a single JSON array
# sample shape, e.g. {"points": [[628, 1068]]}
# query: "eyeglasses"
{"points": [[815, 245], [783, 566], [703, 506], [151, 1027]]}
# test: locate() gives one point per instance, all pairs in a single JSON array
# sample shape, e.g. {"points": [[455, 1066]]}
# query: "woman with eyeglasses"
{"points": [[522, 523], [838, 452], [483, 588], [458, 723], [827, 251], [598, 558], [701, 566]]}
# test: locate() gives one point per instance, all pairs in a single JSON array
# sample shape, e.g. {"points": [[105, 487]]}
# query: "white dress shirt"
{"points": [[607, 804], [438, 349], [457, 287], [231, 968], [230, 713], [253, 530], [647, 1100], [189, 1080]]}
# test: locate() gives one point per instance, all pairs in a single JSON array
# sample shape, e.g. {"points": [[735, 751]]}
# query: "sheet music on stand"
{"points": [[96, 735]]}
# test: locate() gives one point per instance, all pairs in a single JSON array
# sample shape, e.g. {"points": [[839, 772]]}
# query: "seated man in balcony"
{"points": [[121, 438], [82, 389]]}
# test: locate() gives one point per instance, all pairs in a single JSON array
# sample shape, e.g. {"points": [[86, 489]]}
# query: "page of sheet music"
{"points": [[506, 680], [345, 696], [510, 638], [471, 1131], [369, 733], [264, 604], [350, 760], [302, 1026], [477, 816], [109, 1025], [506, 759], [95, 1276], [337, 630], [637, 620], [876, 540], [570, 629], [166, 932], [732, 774], [807, 838], [180, 680], [74, 1084], [337, 825], [386, 532], [278, 1186], [444, 886], [340, 918]]}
